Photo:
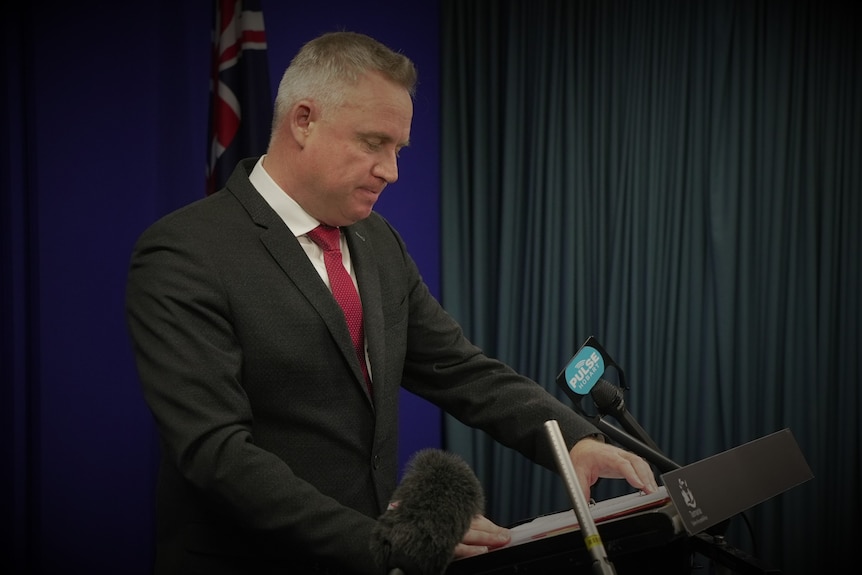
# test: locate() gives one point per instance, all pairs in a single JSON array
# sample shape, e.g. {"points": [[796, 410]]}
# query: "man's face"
{"points": [[351, 152]]}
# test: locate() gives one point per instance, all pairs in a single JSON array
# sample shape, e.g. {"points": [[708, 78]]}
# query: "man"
{"points": [[279, 436]]}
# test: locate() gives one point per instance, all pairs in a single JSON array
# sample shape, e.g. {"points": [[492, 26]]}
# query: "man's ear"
{"points": [[302, 121]]}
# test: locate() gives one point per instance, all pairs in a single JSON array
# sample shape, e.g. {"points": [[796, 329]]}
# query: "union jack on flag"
{"points": [[240, 98]]}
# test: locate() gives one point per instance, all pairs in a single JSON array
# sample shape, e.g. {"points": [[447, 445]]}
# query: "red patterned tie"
{"points": [[329, 239]]}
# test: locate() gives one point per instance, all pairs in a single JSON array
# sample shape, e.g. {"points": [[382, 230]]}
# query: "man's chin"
{"points": [[364, 211]]}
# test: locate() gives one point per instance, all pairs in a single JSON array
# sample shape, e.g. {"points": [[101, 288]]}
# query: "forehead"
{"points": [[379, 106]]}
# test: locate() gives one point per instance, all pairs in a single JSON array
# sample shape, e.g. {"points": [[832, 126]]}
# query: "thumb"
{"points": [[585, 487]]}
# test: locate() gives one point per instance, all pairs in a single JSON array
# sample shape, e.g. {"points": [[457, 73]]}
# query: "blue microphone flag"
{"points": [[584, 370]]}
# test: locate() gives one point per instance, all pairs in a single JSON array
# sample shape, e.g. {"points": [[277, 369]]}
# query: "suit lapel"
{"points": [[289, 255], [365, 263]]}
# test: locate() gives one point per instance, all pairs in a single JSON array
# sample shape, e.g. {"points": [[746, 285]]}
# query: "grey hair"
{"points": [[325, 66]]}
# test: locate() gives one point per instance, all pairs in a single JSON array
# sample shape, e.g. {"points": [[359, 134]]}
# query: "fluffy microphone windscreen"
{"points": [[430, 513]]}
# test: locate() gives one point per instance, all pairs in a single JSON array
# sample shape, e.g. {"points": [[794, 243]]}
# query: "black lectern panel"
{"points": [[650, 542]]}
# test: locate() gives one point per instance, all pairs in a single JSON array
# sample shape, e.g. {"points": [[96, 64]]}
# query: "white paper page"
{"points": [[564, 521]]}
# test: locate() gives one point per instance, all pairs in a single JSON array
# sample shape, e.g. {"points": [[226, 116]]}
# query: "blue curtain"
{"points": [[681, 180]]}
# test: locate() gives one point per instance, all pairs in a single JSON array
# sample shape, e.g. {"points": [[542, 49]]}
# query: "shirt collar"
{"points": [[286, 207]]}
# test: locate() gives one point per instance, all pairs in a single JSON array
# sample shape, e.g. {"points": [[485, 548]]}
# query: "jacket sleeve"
{"points": [[444, 367]]}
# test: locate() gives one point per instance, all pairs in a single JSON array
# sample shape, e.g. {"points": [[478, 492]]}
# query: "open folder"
{"points": [[564, 521]]}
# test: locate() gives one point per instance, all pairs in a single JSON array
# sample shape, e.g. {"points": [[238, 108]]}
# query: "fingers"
{"points": [[637, 473], [642, 475], [585, 488], [593, 459], [463, 550], [482, 536]]}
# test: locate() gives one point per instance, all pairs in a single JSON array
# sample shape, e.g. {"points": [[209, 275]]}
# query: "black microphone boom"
{"points": [[635, 445], [582, 376], [609, 401], [430, 513]]}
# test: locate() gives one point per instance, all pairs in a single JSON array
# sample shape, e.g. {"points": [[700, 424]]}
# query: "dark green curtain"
{"points": [[681, 180]]}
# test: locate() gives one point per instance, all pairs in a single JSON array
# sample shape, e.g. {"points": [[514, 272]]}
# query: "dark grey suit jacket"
{"points": [[274, 455]]}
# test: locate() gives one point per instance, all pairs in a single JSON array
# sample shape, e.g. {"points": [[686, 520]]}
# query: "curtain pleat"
{"points": [[681, 180]]}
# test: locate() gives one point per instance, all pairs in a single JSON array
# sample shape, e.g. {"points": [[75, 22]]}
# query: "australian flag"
{"points": [[240, 98]]}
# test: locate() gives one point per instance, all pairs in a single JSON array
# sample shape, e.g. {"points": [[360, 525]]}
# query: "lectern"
{"points": [[645, 542], [659, 533]]}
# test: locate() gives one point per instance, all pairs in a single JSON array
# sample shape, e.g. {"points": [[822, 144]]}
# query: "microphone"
{"points": [[582, 376], [430, 513], [609, 401], [635, 443], [601, 565]]}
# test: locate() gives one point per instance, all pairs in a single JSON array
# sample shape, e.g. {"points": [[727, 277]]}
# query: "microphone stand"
{"points": [[657, 458], [712, 543], [609, 401], [593, 541]]}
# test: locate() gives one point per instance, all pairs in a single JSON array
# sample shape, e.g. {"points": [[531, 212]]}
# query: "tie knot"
{"points": [[327, 237]]}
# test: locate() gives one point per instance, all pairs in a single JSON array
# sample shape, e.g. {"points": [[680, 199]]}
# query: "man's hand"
{"points": [[482, 536], [593, 458]]}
